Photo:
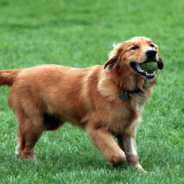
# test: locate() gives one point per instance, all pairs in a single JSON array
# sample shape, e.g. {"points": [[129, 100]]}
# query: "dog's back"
{"points": [[52, 89]]}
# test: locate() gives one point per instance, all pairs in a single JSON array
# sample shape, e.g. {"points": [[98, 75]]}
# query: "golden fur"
{"points": [[44, 97]]}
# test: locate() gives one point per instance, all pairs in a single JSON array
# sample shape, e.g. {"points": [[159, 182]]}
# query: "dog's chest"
{"points": [[118, 118], [129, 114], [126, 118]]}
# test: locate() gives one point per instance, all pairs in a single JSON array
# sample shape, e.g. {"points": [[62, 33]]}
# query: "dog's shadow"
{"points": [[72, 161]]}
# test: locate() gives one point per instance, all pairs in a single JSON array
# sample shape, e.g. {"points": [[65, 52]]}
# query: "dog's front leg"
{"points": [[104, 141], [128, 144]]}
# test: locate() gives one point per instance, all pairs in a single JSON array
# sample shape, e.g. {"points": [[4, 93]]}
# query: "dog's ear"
{"points": [[111, 63], [160, 63], [114, 57]]}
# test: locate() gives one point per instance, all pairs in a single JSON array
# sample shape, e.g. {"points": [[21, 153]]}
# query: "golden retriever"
{"points": [[105, 100]]}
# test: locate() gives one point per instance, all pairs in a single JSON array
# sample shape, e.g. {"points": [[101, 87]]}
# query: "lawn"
{"points": [[80, 33]]}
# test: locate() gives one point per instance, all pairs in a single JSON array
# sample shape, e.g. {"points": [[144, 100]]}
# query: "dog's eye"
{"points": [[151, 45], [135, 48]]}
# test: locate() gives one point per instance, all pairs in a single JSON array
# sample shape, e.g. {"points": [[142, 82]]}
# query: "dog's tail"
{"points": [[8, 77]]}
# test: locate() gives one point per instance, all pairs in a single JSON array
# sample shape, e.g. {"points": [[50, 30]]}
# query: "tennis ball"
{"points": [[149, 67]]}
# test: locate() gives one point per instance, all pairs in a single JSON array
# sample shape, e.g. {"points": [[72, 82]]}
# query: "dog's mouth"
{"points": [[138, 68]]}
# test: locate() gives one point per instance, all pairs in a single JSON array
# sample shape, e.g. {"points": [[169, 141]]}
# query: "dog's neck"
{"points": [[125, 96], [123, 89]]}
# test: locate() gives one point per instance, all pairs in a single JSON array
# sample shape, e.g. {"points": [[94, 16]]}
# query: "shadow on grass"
{"points": [[72, 162], [64, 163]]}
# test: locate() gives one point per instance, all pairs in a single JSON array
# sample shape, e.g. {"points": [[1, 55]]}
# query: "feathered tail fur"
{"points": [[8, 77]]}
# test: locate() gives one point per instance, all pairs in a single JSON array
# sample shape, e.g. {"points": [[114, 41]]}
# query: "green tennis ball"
{"points": [[149, 67]]}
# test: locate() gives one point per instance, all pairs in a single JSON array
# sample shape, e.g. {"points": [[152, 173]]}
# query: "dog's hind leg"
{"points": [[29, 131], [104, 141], [21, 144]]}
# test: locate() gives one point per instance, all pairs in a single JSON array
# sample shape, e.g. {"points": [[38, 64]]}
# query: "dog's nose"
{"points": [[151, 53]]}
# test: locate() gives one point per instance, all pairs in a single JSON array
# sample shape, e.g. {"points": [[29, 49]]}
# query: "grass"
{"points": [[80, 33]]}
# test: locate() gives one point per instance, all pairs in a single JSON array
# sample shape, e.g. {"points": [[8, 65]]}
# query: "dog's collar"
{"points": [[125, 96]]}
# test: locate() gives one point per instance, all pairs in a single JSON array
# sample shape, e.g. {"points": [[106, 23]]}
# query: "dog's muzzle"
{"points": [[151, 54]]}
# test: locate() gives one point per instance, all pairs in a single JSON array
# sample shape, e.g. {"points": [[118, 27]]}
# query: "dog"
{"points": [[105, 100]]}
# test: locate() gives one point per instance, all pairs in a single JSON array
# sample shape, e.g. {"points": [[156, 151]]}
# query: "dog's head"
{"points": [[132, 54]]}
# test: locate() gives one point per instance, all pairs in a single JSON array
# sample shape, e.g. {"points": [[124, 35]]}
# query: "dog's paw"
{"points": [[117, 159], [139, 168]]}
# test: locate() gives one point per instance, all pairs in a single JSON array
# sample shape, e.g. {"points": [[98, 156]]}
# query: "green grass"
{"points": [[80, 33]]}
